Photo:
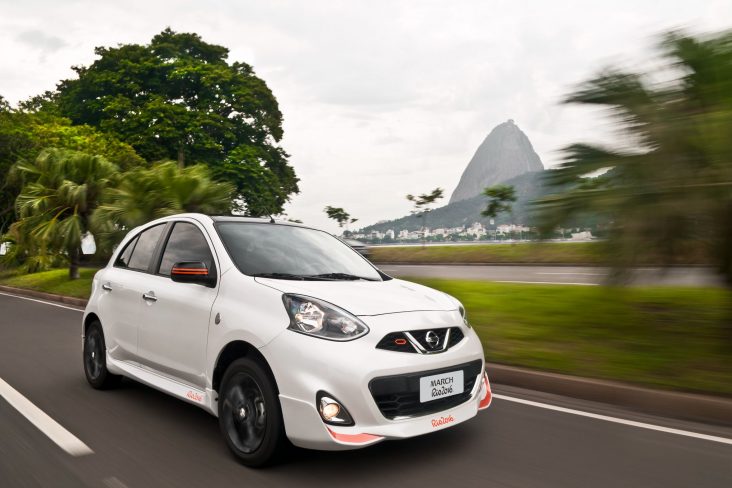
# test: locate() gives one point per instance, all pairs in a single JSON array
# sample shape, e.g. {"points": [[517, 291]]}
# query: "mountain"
{"points": [[528, 187], [504, 154]]}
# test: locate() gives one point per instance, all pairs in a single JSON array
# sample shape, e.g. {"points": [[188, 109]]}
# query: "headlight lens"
{"points": [[321, 319]]}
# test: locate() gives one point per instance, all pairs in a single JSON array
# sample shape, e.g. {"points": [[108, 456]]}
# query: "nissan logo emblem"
{"points": [[431, 339]]}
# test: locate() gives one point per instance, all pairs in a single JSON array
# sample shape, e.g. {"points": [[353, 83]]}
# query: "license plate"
{"points": [[440, 386]]}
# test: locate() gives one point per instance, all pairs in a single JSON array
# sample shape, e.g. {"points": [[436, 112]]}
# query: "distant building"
{"points": [[582, 236], [389, 234]]}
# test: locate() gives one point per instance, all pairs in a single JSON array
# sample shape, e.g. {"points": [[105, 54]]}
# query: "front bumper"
{"points": [[304, 365]]}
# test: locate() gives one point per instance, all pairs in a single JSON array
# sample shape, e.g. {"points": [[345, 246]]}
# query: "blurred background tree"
{"points": [[178, 98], [60, 191], [339, 215], [144, 194], [500, 199], [667, 185], [24, 135], [422, 204]]}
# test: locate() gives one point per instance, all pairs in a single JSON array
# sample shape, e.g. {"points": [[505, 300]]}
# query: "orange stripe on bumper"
{"points": [[354, 438]]}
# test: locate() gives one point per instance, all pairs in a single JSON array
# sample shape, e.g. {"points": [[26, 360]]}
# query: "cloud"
{"points": [[41, 41]]}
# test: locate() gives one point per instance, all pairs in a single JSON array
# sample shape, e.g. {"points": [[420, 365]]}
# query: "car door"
{"points": [[173, 330], [122, 286]]}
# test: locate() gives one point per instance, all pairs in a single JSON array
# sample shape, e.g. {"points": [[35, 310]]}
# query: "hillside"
{"points": [[464, 212]]}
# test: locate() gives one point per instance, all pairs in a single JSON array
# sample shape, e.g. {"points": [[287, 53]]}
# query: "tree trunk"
{"points": [[181, 157], [74, 260]]}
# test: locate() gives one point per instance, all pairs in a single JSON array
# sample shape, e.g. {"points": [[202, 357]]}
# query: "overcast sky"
{"points": [[380, 98]]}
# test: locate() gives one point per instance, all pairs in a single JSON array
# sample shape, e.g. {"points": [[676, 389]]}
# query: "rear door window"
{"points": [[123, 259], [145, 247]]}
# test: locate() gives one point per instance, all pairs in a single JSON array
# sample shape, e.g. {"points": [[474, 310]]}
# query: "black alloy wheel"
{"points": [[250, 417], [95, 359]]}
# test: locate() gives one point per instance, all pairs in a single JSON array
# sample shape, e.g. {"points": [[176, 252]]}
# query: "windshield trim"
{"points": [[382, 275]]}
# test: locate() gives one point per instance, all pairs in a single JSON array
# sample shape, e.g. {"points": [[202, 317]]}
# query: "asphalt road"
{"points": [[143, 438], [574, 275]]}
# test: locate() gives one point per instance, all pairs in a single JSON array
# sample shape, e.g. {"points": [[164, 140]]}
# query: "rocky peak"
{"points": [[504, 154]]}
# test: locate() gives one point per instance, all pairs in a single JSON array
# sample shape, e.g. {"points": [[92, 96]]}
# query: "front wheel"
{"points": [[95, 359], [250, 416]]}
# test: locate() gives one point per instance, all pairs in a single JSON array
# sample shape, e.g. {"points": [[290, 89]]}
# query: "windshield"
{"points": [[290, 252]]}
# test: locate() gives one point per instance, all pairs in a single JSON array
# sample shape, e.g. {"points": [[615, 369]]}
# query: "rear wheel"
{"points": [[250, 416], [95, 359]]}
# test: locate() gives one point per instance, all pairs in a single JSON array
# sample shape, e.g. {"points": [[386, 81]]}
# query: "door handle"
{"points": [[107, 286], [150, 296]]}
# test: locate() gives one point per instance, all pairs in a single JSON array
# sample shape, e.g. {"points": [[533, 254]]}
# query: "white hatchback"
{"points": [[282, 332]]}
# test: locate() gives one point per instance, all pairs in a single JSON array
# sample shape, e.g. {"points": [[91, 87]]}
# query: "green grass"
{"points": [[593, 253], [545, 252], [673, 338], [55, 281]]}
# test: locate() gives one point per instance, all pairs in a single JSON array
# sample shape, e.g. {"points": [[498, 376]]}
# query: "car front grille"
{"points": [[398, 396], [416, 341]]}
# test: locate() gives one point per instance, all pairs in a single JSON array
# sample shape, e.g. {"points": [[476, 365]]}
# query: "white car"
{"points": [[282, 332]]}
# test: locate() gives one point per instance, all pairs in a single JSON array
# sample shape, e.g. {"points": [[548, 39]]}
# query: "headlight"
{"points": [[321, 319]]}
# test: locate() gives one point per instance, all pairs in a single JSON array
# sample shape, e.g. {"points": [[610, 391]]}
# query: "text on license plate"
{"points": [[440, 386]]}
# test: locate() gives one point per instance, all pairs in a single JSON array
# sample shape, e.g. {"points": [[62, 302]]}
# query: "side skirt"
{"points": [[153, 379]]}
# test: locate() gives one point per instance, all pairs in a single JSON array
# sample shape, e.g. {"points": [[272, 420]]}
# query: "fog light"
{"points": [[332, 411], [329, 410]]}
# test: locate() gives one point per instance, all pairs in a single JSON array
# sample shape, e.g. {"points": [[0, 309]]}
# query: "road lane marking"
{"points": [[53, 430], [545, 283], [41, 301], [632, 423]]}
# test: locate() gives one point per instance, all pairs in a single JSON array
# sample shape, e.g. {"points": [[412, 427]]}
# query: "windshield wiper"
{"points": [[342, 276], [289, 276]]}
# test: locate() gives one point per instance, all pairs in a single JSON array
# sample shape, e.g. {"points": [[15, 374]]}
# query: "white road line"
{"points": [[41, 301], [545, 283], [632, 423], [53, 430]]}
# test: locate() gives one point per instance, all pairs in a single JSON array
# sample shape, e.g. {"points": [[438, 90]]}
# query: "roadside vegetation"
{"points": [[672, 338], [588, 253], [54, 281]]}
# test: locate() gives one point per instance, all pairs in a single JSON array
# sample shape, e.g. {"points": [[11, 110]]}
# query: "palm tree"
{"points": [[144, 194], [61, 189], [668, 183], [422, 204]]}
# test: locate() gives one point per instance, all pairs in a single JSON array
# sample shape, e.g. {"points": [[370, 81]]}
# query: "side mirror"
{"points": [[193, 272]]}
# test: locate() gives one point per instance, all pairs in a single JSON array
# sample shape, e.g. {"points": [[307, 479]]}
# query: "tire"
{"points": [[95, 359], [250, 416]]}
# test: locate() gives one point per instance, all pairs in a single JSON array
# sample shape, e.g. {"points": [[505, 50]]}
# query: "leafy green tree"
{"points": [[144, 194], [61, 189], [339, 215], [668, 183], [500, 198], [23, 135], [179, 98], [422, 204]]}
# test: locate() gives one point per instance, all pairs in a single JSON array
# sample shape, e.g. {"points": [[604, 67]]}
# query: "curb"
{"points": [[79, 302], [686, 406]]}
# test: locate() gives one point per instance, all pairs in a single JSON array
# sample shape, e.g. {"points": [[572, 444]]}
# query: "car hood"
{"points": [[368, 297]]}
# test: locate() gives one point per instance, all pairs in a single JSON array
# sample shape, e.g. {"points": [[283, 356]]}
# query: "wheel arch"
{"points": [[233, 351], [91, 317]]}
